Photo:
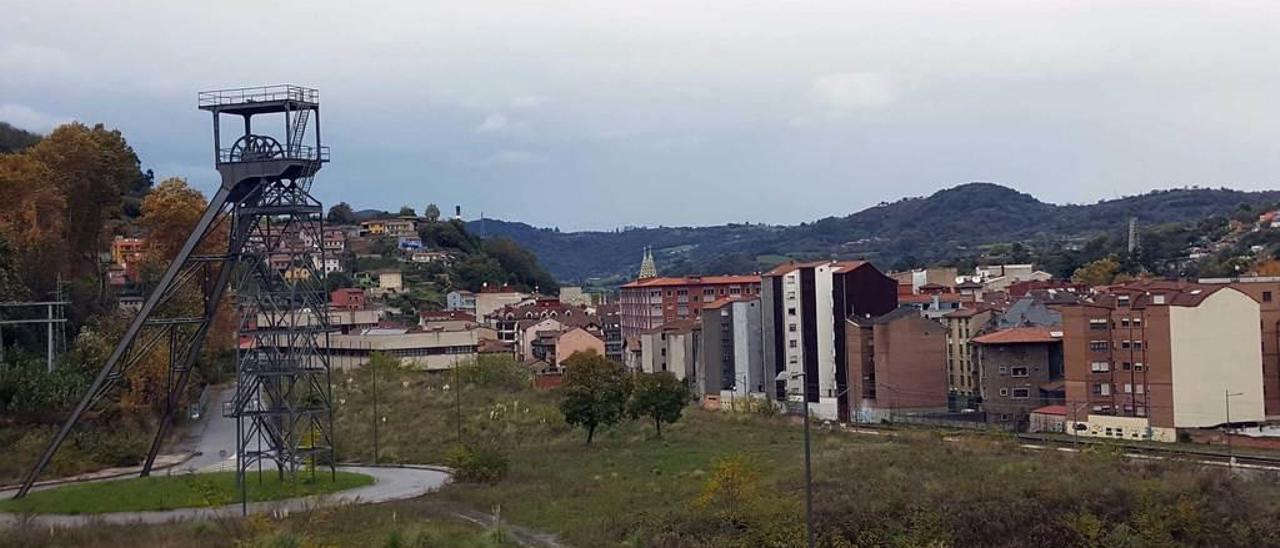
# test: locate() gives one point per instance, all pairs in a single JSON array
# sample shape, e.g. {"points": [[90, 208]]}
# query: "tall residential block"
{"points": [[732, 353], [804, 308]]}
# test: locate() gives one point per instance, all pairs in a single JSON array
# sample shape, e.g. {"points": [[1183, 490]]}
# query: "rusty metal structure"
{"points": [[261, 237]]}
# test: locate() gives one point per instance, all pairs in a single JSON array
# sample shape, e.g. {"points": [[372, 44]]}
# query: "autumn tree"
{"points": [[32, 220], [92, 169], [595, 392], [1100, 272], [169, 214], [659, 396]]}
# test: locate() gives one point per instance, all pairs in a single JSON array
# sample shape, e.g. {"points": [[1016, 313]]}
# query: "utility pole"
{"points": [[373, 368], [1226, 397], [808, 465], [457, 399]]}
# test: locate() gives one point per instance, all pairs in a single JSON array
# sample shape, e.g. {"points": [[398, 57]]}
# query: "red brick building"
{"points": [[896, 362], [650, 302], [347, 298]]}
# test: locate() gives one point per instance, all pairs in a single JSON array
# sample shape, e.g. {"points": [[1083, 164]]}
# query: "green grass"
{"points": [[178, 491], [916, 488]]}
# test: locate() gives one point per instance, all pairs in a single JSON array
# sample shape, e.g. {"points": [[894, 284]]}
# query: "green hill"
{"points": [[948, 224]]}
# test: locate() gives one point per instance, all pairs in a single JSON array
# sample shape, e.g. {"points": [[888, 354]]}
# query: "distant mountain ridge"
{"points": [[938, 227]]}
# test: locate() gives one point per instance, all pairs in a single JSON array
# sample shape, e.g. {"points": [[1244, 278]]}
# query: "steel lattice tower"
{"points": [[273, 260]]}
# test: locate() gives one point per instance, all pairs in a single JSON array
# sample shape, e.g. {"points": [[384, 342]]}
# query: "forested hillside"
{"points": [[950, 225]]}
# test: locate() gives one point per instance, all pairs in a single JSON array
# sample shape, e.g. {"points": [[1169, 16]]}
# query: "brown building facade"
{"points": [[895, 363], [1143, 360]]}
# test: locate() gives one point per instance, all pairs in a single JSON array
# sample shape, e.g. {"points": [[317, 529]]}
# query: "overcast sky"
{"points": [[598, 114]]}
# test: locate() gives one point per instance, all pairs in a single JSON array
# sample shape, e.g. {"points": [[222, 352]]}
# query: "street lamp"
{"points": [[808, 475], [1226, 397]]}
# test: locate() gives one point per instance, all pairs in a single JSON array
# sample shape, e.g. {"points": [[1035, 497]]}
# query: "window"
{"points": [[1018, 371], [1137, 345], [793, 359], [1098, 323], [1137, 322], [1141, 388], [1123, 300], [791, 312], [791, 295], [1102, 389], [791, 343], [791, 328], [1101, 367], [1138, 366], [1021, 393], [1004, 391], [1157, 299], [1126, 366], [1099, 346], [1266, 296], [1125, 344], [1128, 388], [1003, 370], [1124, 322]]}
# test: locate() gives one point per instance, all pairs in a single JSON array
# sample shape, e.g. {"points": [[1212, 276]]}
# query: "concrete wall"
{"points": [[1216, 348], [1126, 428], [748, 359]]}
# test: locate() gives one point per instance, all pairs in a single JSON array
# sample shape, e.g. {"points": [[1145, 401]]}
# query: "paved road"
{"points": [[389, 484], [214, 438]]}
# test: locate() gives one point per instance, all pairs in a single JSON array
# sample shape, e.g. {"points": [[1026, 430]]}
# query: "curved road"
{"points": [[389, 484], [214, 442]]}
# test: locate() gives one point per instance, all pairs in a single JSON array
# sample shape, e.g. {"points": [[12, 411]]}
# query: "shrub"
{"points": [[477, 464], [494, 372]]}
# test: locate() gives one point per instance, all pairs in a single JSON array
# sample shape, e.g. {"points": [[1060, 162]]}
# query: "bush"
{"points": [[478, 464], [500, 371]]}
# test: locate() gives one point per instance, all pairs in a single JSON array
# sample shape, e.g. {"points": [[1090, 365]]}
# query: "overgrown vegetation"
{"points": [[735, 479]]}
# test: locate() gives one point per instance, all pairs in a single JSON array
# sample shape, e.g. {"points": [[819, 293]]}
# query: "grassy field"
{"points": [[177, 491], [736, 480]]}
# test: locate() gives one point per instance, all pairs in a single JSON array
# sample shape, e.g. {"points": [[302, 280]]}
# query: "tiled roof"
{"points": [[1020, 335], [840, 266], [962, 313], [728, 299], [693, 280]]}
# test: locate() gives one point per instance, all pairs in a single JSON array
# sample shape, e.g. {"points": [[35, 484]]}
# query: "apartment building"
{"points": [[803, 311], [1017, 369], [1266, 291], [648, 303], [1143, 360], [896, 363], [461, 299], [962, 373], [674, 346], [732, 352], [491, 299]]}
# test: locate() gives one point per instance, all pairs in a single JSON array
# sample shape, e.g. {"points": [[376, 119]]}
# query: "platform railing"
{"points": [[301, 152], [257, 94]]}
